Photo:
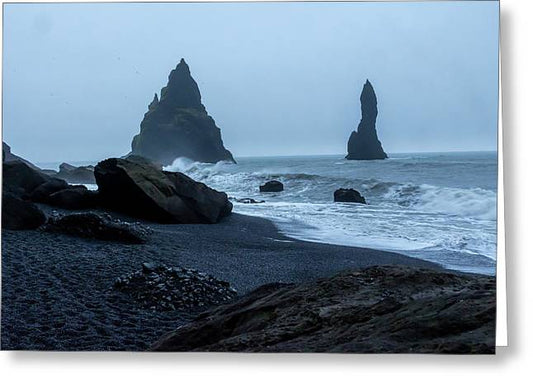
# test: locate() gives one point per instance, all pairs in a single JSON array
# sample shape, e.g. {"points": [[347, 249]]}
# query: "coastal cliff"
{"points": [[364, 143], [177, 124]]}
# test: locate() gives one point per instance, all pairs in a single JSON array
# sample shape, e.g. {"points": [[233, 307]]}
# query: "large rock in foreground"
{"points": [[141, 190], [178, 125], [364, 144], [389, 309], [18, 214], [20, 178]]}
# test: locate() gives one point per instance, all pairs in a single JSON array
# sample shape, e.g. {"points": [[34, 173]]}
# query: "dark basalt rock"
{"points": [[246, 200], [158, 287], [364, 144], [141, 190], [8, 156], [348, 195], [18, 214], [387, 309], [74, 197], [100, 227], [178, 125], [20, 178], [73, 174], [271, 187], [43, 192]]}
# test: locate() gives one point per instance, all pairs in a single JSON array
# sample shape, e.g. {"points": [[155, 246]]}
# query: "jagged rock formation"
{"points": [[386, 309], [177, 125], [7, 156], [364, 144]]}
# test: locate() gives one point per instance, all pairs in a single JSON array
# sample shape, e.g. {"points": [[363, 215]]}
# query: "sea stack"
{"points": [[364, 143], [177, 125]]}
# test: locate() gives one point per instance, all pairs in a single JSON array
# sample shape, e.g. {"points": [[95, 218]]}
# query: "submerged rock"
{"points": [[100, 227], [364, 144], [73, 174], [141, 190], [246, 200], [159, 287], [177, 125], [18, 214], [271, 187], [387, 309], [348, 195]]}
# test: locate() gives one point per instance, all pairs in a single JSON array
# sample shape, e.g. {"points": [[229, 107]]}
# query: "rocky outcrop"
{"points": [[159, 287], [388, 309], [18, 214], [271, 187], [363, 143], [21, 179], [74, 197], [99, 227], [43, 192], [73, 174], [348, 195], [141, 190], [177, 125], [8, 156]]}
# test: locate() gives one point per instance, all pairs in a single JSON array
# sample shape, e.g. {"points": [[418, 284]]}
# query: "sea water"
{"points": [[436, 206], [439, 207]]}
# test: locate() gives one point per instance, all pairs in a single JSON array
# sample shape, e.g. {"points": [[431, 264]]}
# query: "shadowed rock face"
{"points": [[177, 125], [386, 309], [364, 144]]}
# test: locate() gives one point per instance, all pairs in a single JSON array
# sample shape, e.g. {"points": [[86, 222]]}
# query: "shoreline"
{"points": [[57, 290]]}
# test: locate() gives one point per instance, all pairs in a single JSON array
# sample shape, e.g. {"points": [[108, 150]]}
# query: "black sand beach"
{"points": [[57, 290]]}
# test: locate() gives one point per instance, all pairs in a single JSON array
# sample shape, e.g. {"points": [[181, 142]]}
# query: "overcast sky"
{"points": [[278, 78]]}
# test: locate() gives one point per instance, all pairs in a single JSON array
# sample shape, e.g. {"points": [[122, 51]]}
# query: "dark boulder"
{"points": [[348, 195], [43, 192], [177, 125], [94, 226], [18, 214], [140, 190], [74, 198], [388, 309], [271, 187], [73, 174], [20, 178], [364, 144]]}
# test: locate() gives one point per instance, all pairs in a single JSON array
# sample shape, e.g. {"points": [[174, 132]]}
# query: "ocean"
{"points": [[436, 206], [439, 207]]}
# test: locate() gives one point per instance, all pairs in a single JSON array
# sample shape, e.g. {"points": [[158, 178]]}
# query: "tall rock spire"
{"points": [[177, 125], [364, 143]]}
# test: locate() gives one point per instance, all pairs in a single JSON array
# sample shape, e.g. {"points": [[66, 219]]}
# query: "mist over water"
{"points": [[436, 206]]}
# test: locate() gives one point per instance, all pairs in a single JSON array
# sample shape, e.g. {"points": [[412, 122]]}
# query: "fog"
{"points": [[278, 78]]}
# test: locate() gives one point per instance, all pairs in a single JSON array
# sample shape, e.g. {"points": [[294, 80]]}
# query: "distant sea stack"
{"points": [[364, 143], [177, 125]]}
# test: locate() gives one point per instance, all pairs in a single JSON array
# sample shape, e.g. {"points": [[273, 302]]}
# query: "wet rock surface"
{"points": [[348, 195], [271, 187], [96, 226], [386, 309], [160, 287]]}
